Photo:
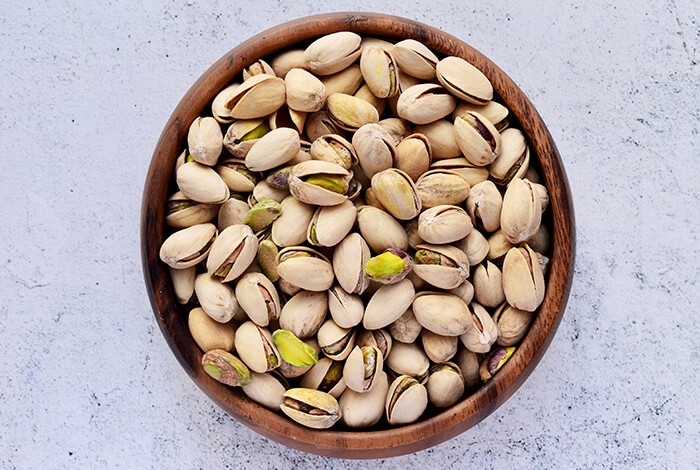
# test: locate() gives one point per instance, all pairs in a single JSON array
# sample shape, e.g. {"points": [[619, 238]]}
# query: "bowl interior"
{"points": [[378, 441]]}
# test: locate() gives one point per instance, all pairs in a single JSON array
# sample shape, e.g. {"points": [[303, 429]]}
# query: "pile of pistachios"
{"points": [[357, 233]]}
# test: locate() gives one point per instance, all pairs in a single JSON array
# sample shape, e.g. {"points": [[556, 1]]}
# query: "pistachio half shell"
{"points": [[226, 368], [406, 400], [311, 408], [258, 96], [327, 376], [232, 252], [256, 347], [187, 247]]}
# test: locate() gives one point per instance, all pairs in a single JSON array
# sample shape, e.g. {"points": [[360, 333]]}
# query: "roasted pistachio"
{"points": [[415, 59], [267, 255], [210, 334], [437, 347], [273, 149], [332, 53], [304, 313], [390, 267], [380, 71], [258, 297], [236, 175], [305, 92], [346, 309], [267, 389], [205, 141], [336, 342], [243, 134], [495, 112], [226, 368], [523, 280], [291, 227], [320, 183], [286, 61], [187, 247], [445, 385], [424, 103], [256, 348], [311, 408], [202, 184], [477, 138], [482, 332], [444, 224], [218, 300], [349, 259], [380, 230], [335, 149], [443, 314], [512, 324], [183, 283], [464, 80], [375, 148], [443, 266], [232, 252], [362, 367], [408, 359], [295, 263], [406, 328], [256, 68], [406, 400], [488, 285], [258, 96], [521, 214], [331, 224], [397, 193], [484, 206], [365, 409], [439, 187], [413, 155], [183, 212], [514, 160], [388, 304], [494, 362], [379, 339], [349, 112], [327, 376]]}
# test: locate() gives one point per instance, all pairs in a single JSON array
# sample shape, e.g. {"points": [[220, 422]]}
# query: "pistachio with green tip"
{"points": [[236, 175], [379, 339], [182, 212], [311, 408], [327, 376], [256, 347], [362, 367], [493, 362], [262, 214], [335, 342], [226, 368], [293, 350], [320, 183], [445, 384], [241, 135], [335, 149], [279, 179], [443, 266], [291, 371], [406, 400], [232, 252], [390, 267]]}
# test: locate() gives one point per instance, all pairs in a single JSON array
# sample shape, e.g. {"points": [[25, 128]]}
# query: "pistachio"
{"points": [[258, 297], [523, 280], [406, 400], [243, 134], [464, 80], [388, 304], [405, 82], [445, 384], [217, 300], [365, 409], [443, 266], [291, 227], [346, 309], [424, 103], [305, 92], [202, 184], [494, 362], [488, 285], [290, 118], [415, 59], [183, 212], [406, 328], [183, 283], [256, 348], [187, 247], [291, 371], [498, 247], [475, 246], [408, 359], [413, 155], [444, 224], [332, 53], [311, 408], [512, 324], [335, 342], [204, 140], [514, 160], [349, 259], [478, 140], [482, 332], [263, 191], [210, 334], [380, 71], [327, 376], [542, 194], [319, 183], [371, 200], [286, 61], [379, 339], [346, 81], [303, 314], [464, 168], [258, 96], [437, 347], [396, 191], [366, 94], [390, 267], [439, 187], [375, 148], [441, 138], [349, 112], [295, 263], [273, 149], [521, 214], [218, 110], [331, 224], [232, 252], [362, 367], [267, 389], [256, 68], [376, 42], [293, 350], [484, 206], [495, 112], [236, 175], [226, 368], [320, 123], [335, 149], [279, 179], [262, 214], [443, 314]]}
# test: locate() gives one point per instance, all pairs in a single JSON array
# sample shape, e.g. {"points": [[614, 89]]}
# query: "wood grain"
{"points": [[381, 441]]}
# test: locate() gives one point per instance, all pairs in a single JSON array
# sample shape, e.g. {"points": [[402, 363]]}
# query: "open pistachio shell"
{"points": [[291, 118], [443, 314], [258, 96], [332, 53], [331, 224], [408, 359], [424, 103], [514, 160], [305, 92], [464, 80], [444, 224], [275, 148], [335, 342], [439, 187], [482, 332], [375, 148], [406, 328], [256, 68], [210, 334], [445, 384], [523, 280], [187, 247], [236, 175], [258, 297], [346, 309], [256, 348], [406, 400], [320, 183], [232, 252], [202, 184], [218, 110], [335, 149], [327, 376], [521, 213], [443, 266], [362, 367], [361, 410], [415, 59], [349, 259], [296, 262], [266, 389], [226, 368], [304, 313], [488, 285], [493, 362], [464, 168], [183, 212], [484, 206], [495, 112], [311, 408], [477, 138], [388, 304], [319, 124], [243, 134], [291, 227], [380, 71], [379, 339]]}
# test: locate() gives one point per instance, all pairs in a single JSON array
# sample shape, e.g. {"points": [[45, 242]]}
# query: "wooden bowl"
{"points": [[376, 442]]}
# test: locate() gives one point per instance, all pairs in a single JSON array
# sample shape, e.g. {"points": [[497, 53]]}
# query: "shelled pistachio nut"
{"points": [[275, 148], [295, 263], [406, 400], [262, 214], [408, 359], [218, 300], [335, 149], [331, 224], [437, 347], [349, 259], [232, 252], [279, 178], [350, 112], [512, 324], [477, 138], [218, 110], [397, 193], [202, 184], [267, 256], [235, 174], [482, 332], [365, 409], [374, 147], [362, 367], [205, 141], [514, 160], [332, 53], [413, 155], [335, 342], [388, 304], [327, 376], [390, 267], [291, 227], [380, 71], [521, 214], [415, 59], [444, 224], [346, 81], [346, 309], [443, 314], [266, 389], [494, 362], [241, 135], [406, 328], [256, 348], [182, 212], [488, 285], [464, 80], [468, 362], [187, 247], [443, 266], [495, 112], [439, 187], [226, 368], [303, 313], [293, 350], [210, 334], [523, 280], [183, 283], [320, 183], [379, 339], [305, 92], [445, 384], [464, 168], [257, 296], [311, 408], [484, 206], [258, 96]]}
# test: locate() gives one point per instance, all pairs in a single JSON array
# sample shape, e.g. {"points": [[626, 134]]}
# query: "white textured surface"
{"points": [[86, 378]]}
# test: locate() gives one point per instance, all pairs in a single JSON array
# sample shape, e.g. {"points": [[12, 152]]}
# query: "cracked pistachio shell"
{"points": [[243, 134], [475, 246], [217, 299], [258, 96], [320, 123], [205, 141], [262, 214], [380, 71], [187, 247], [183, 283], [218, 110], [408, 359], [488, 285], [379, 339], [397, 128], [406, 400], [484, 206], [445, 385], [274, 149], [319, 183], [521, 214], [463, 167], [482, 332], [366, 94], [494, 362], [256, 348], [296, 262], [346, 309], [288, 117], [495, 112], [347, 81], [439, 348], [540, 240], [232, 212], [332, 53], [441, 136], [258, 297], [374, 147], [226, 368], [424, 103], [256, 68], [443, 314], [232, 252], [464, 291], [266, 389], [210, 334], [350, 112], [512, 324], [291, 227], [443, 266], [514, 160], [304, 313], [397, 193], [405, 82], [311, 408], [286, 61], [335, 342], [439, 187], [236, 175], [327, 376], [478, 140], [182, 212], [415, 59], [362, 367], [388, 304], [202, 184], [331, 224], [361, 410], [349, 260], [406, 328], [267, 256], [523, 280], [305, 92], [498, 247], [444, 224], [468, 362], [335, 149], [464, 80], [413, 155]]}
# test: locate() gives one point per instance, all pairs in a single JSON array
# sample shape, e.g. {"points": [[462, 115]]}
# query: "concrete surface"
{"points": [[87, 380]]}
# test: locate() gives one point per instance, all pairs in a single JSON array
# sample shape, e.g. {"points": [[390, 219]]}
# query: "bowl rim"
{"points": [[374, 443]]}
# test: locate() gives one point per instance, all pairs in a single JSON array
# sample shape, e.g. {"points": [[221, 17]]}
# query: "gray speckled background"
{"points": [[86, 378]]}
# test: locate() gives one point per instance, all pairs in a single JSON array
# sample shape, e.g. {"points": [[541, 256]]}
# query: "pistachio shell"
{"points": [[406, 328], [303, 314], [514, 160], [232, 252], [488, 285], [464, 80], [498, 247], [331, 224], [468, 363], [311, 408], [493, 362], [361, 410], [379, 339], [335, 149], [512, 324], [205, 141], [438, 187], [366, 94], [346, 309], [362, 367], [349, 259], [258, 297], [375, 148], [464, 291], [291, 227], [540, 240], [475, 246], [388, 304], [286, 61], [266, 389], [443, 314], [256, 348], [484, 206], [187, 247], [437, 347], [218, 110], [258, 96], [376, 42], [183, 283], [332, 53], [256, 68], [379, 71], [523, 280], [202, 184], [477, 138], [320, 123], [397, 193], [413, 155], [236, 175], [275, 148], [464, 168], [445, 385], [217, 300], [397, 128], [182, 212], [319, 183], [288, 117], [210, 334], [482, 332], [415, 59], [336, 342], [346, 81], [263, 191], [424, 103], [444, 224], [243, 134], [445, 266], [495, 112], [305, 92], [327, 376], [521, 213], [295, 263], [226, 368], [349, 112], [406, 400], [408, 359]]}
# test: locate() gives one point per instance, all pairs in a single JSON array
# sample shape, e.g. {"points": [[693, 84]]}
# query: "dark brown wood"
{"points": [[377, 442]]}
